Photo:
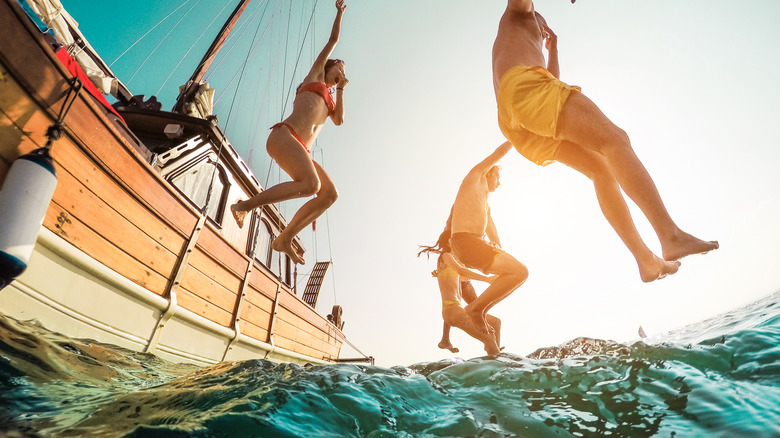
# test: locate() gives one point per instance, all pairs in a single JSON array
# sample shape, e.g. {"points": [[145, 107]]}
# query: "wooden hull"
{"points": [[123, 256]]}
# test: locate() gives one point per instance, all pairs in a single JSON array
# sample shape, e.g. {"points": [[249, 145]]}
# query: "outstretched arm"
{"points": [[317, 72], [520, 6], [463, 271], [485, 165]]}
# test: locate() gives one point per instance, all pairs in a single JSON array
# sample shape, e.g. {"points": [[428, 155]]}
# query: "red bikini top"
{"points": [[322, 90]]}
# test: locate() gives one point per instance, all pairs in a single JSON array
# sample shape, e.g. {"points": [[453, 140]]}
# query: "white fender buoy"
{"points": [[24, 199]]}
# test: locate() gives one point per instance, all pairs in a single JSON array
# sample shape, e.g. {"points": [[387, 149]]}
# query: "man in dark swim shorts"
{"points": [[473, 251], [470, 222]]}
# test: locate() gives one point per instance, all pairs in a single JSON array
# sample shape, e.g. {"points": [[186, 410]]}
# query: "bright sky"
{"points": [[695, 85]]}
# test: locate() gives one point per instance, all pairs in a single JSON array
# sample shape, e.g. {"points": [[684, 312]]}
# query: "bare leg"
{"points": [[495, 328], [595, 166], [457, 317], [511, 274], [467, 291], [445, 343], [296, 162], [583, 123], [325, 197]]}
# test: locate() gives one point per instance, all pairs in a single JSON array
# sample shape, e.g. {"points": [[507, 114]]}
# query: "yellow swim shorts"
{"points": [[530, 99]]}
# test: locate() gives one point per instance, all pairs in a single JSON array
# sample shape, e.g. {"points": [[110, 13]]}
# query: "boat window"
{"points": [[263, 243], [281, 267], [278, 263], [195, 182]]}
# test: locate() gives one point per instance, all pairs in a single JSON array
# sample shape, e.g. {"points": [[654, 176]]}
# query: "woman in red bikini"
{"points": [[290, 141]]}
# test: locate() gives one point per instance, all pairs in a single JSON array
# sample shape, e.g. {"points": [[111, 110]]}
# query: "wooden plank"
{"points": [[124, 164], [258, 299], [286, 329], [257, 316], [110, 225], [68, 156], [303, 331], [301, 327], [214, 270], [208, 290], [294, 304], [254, 331], [199, 306], [21, 122], [27, 53], [218, 248], [262, 282], [59, 221], [15, 142], [296, 346], [27, 116]]}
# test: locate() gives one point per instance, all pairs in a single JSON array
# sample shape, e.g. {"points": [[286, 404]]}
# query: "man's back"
{"points": [[518, 43]]}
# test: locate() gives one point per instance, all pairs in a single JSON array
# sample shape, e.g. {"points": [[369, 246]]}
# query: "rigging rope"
{"points": [[161, 41], [298, 60], [254, 46], [147, 33], [240, 79], [205, 28], [232, 42]]}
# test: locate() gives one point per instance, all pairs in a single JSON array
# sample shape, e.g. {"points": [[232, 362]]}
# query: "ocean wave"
{"points": [[720, 377]]}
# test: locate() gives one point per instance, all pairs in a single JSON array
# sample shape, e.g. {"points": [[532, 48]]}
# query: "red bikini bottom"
{"points": [[294, 134]]}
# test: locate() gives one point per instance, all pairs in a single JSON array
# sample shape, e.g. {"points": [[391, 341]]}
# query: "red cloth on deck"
{"points": [[74, 69]]}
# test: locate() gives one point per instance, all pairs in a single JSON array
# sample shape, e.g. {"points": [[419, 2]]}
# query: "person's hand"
{"points": [[341, 81], [341, 5], [550, 38]]}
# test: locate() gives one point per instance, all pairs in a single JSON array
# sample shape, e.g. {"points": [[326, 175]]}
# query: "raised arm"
{"points": [[317, 71], [485, 165], [520, 6]]}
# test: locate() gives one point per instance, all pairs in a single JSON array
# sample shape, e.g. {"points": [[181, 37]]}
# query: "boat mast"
{"points": [[188, 92]]}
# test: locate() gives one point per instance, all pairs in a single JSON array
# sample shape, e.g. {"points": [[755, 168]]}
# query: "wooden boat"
{"points": [[138, 247]]}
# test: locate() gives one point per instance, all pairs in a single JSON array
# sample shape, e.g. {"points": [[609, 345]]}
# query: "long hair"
{"points": [[442, 245]]}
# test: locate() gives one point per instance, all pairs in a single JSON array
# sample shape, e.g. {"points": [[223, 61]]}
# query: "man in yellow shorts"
{"points": [[547, 120]]}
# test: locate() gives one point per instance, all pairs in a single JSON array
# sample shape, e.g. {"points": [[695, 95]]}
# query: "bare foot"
{"points": [[477, 318], [448, 346], [684, 245], [657, 269], [238, 215], [491, 347], [285, 246]]}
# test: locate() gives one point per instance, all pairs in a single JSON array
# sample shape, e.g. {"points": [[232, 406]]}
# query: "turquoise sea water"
{"points": [[720, 377]]}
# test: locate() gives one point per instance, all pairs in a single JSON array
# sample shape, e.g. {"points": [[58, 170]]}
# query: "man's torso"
{"points": [[470, 210], [518, 42]]}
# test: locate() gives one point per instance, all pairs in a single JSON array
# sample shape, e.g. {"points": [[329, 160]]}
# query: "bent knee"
{"points": [[521, 272], [616, 140], [309, 187], [600, 172], [330, 196]]}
